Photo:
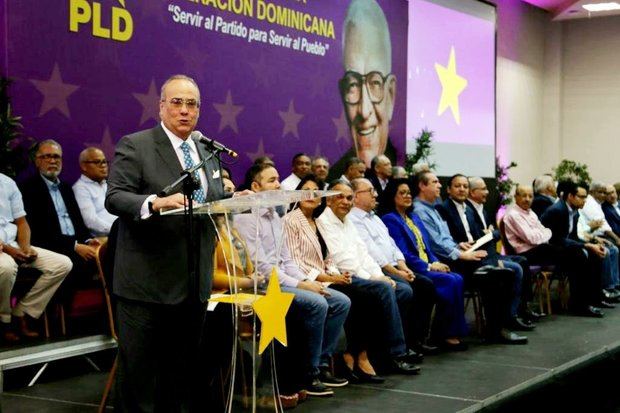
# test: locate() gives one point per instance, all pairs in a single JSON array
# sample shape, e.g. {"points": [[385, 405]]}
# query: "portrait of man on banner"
{"points": [[368, 87]]}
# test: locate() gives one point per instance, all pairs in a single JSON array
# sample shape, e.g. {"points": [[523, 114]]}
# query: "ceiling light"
{"points": [[601, 7]]}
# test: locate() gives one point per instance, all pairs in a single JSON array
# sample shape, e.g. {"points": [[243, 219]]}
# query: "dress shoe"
{"points": [[508, 337], [24, 330], [606, 304], [460, 346], [401, 366], [426, 349], [611, 293], [302, 395], [363, 377], [590, 311], [318, 389], [8, 335], [328, 379], [413, 357], [532, 315], [519, 324]]}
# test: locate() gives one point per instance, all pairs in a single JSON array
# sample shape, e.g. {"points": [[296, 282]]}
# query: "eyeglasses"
{"points": [[50, 156], [340, 197], [178, 103], [98, 162], [372, 191], [352, 82], [404, 193]]}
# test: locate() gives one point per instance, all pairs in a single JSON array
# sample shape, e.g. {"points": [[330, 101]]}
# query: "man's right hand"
{"points": [[86, 252], [473, 255], [17, 254], [314, 286], [341, 279], [464, 246], [597, 249], [168, 202]]}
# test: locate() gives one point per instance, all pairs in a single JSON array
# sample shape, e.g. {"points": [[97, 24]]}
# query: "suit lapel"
{"points": [[310, 233], [408, 230], [166, 152]]}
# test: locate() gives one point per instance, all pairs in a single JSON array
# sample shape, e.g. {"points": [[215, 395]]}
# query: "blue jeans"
{"points": [[323, 318], [387, 297], [610, 268]]}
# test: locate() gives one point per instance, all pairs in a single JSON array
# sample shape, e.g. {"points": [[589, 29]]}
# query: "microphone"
{"points": [[213, 144]]}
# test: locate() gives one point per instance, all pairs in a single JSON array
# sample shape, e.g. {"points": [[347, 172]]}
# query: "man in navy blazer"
{"points": [[585, 278], [161, 306], [611, 209]]}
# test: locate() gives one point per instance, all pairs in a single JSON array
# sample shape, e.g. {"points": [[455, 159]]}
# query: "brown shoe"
{"points": [[22, 325], [8, 335]]}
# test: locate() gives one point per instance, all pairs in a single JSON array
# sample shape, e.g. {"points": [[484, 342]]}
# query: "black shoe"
{"points": [[317, 388], [520, 324], [611, 293], [606, 304], [327, 378], [532, 315], [412, 357], [426, 349], [508, 337], [363, 377], [589, 311], [401, 366]]}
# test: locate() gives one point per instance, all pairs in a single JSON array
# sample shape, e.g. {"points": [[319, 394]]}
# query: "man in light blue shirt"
{"points": [[16, 251], [90, 192]]}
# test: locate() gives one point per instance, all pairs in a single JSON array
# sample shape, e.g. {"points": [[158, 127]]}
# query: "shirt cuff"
{"points": [[144, 210], [313, 274], [455, 254]]}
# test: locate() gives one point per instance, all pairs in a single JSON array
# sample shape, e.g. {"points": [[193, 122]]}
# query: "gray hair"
{"points": [[357, 182], [84, 154], [542, 182], [162, 94], [597, 186], [398, 170], [474, 182]]}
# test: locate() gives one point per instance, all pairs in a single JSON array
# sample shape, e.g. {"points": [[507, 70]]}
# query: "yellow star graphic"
{"points": [[272, 309], [451, 87]]}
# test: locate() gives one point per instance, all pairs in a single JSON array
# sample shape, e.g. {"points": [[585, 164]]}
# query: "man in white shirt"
{"points": [[354, 168], [90, 192], [301, 167], [385, 252], [349, 253]]}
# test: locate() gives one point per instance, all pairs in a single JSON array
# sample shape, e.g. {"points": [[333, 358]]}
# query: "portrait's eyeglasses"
{"points": [[98, 162], [352, 83], [343, 196], [372, 191], [178, 103], [50, 156]]}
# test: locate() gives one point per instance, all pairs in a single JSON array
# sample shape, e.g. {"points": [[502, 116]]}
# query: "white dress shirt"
{"points": [[479, 208], [376, 236], [90, 196], [591, 211], [346, 248], [290, 182]]}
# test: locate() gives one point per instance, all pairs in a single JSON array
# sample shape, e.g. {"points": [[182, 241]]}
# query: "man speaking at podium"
{"points": [[161, 308]]}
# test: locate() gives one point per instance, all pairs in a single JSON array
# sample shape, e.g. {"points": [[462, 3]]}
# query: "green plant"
{"points": [[572, 171], [13, 157], [504, 183], [423, 151]]}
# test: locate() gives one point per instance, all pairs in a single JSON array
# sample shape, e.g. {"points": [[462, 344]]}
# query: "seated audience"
{"points": [[384, 252], [496, 289], [379, 173], [545, 194], [55, 219], [398, 172], [592, 225], [461, 220], [322, 310], [301, 168], [90, 192], [408, 231], [309, 251], [320, 170], [16, 251], [353, 168], [585, 282], [611, 208], [350, 255], [247, 181]]}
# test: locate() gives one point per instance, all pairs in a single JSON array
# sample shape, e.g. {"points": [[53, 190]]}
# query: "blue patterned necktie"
{"points": [[199, 194]]}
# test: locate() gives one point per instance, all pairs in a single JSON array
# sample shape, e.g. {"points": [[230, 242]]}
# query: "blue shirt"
{"points": [[11, 208], [376, 236], [90, 196], [66, 225], [442, 243]]}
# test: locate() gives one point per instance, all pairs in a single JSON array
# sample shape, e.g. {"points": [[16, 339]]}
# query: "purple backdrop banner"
{"points": [[88, 72]]}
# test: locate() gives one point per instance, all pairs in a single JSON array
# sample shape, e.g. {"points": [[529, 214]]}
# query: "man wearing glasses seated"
{"points": [[90, 192]]}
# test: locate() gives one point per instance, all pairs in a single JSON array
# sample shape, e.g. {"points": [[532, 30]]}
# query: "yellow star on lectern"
{"points": [[451, 87], [272, 309]]}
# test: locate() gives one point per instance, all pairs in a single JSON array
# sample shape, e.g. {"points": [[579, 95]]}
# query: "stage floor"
{"points": [[468, 381]]}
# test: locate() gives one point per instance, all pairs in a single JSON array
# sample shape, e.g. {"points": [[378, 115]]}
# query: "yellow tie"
{"points": [[419, 239]]}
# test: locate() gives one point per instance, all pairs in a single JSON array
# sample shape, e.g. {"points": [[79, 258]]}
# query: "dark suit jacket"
{"points": [[612, 217], [406, 241], [556, 219], [540, 204], [450, 214], [43, 219], [489, 221], [151, 255], [337, 169]]}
